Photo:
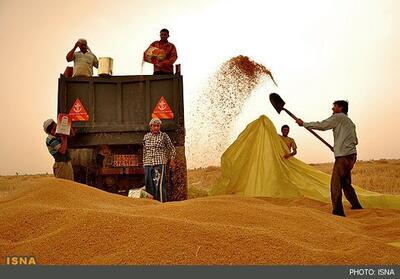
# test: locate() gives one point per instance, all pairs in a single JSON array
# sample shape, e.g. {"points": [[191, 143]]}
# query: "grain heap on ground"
{"points": [[62, 222]]}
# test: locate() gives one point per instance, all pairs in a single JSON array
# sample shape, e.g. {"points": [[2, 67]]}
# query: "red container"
{"points": [[69, 71]]}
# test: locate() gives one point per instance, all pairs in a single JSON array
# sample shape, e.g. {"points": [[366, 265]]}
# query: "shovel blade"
{"points": [[276, 102]]}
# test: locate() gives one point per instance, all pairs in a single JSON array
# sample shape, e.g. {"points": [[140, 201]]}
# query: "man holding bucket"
{"points": [[84, 60], [157, 151], [162, 54]]}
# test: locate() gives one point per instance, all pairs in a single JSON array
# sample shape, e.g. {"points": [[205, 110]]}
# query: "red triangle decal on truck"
{"points": [[78, 112], [162, 110]]}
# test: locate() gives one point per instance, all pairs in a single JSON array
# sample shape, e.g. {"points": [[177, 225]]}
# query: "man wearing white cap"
{"points": [[57, 146], [84, 60], [157, 151]]}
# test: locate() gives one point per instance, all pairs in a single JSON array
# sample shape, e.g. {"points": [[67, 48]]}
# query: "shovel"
{"points": [[279, 104]]}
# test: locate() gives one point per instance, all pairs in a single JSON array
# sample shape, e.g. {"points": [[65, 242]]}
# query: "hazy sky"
{"points": [[319, 51]]}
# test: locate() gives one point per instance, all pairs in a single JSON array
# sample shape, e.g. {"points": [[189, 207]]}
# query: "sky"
{"points": [[318, 51]]}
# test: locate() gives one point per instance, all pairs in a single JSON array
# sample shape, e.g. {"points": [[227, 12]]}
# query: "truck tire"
{"points": [[177, 179], [80, 174], [81, 160]]}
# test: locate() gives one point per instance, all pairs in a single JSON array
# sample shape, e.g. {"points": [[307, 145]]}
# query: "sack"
{"points": [[139, 194], [154, 53]]}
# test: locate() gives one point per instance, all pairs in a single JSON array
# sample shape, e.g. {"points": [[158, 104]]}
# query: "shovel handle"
{"points": [[311, 131]]}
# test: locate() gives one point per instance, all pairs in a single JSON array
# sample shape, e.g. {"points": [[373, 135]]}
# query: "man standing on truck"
{"points": [[58, 148], [291, 144], [162, 54], [345, 141], [84, 60], [157, 151]]}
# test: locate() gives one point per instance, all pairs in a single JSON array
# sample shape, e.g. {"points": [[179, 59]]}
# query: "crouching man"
{"points": [[157, 151]]}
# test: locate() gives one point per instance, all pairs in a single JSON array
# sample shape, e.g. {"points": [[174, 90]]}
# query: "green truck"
{"points": [[113, 113]]}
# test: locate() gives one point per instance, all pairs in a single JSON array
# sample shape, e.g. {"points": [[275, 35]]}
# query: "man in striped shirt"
{"points": [[157, 151], [58, 148], [345, 141]]}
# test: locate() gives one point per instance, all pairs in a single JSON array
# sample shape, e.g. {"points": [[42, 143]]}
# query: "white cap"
{"points": [[155, 121], [47, 123]]}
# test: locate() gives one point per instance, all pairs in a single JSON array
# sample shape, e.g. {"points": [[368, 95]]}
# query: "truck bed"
{"points": [[120, 107]]}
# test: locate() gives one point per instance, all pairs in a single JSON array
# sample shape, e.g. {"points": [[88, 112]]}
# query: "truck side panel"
{"points": [[120, 107]]}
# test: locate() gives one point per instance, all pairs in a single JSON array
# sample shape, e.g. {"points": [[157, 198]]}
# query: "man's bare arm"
{"points": [[70, 54]]}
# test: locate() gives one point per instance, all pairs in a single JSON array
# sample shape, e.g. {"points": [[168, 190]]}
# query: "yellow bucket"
{"points": [[105, 66]]}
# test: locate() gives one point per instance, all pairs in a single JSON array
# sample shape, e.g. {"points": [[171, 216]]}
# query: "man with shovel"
{"points": [[345, 141]]}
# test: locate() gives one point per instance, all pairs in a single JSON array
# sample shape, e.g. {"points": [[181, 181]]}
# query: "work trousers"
{"points": [[155, 179], [63, 170], [341, 180]]}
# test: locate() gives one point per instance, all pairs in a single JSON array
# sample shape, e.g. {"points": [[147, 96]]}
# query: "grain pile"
{"points": [[61, 222], [218, 106]]}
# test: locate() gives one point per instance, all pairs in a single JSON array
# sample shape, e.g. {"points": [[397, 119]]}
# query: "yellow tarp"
{"points": [[254, 166]]}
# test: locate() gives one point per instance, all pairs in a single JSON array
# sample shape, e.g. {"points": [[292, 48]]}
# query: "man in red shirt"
{"points": [[165, 55]]}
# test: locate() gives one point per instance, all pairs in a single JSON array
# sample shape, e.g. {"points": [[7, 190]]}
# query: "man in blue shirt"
{"points": [[58, 148]]}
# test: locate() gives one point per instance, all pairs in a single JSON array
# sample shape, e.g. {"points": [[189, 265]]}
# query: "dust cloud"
{"points": [[217, 107]]}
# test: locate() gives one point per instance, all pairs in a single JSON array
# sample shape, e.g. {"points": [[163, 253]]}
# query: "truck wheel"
{"points": [[80, 174], [177, 180], [81, 160]]}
